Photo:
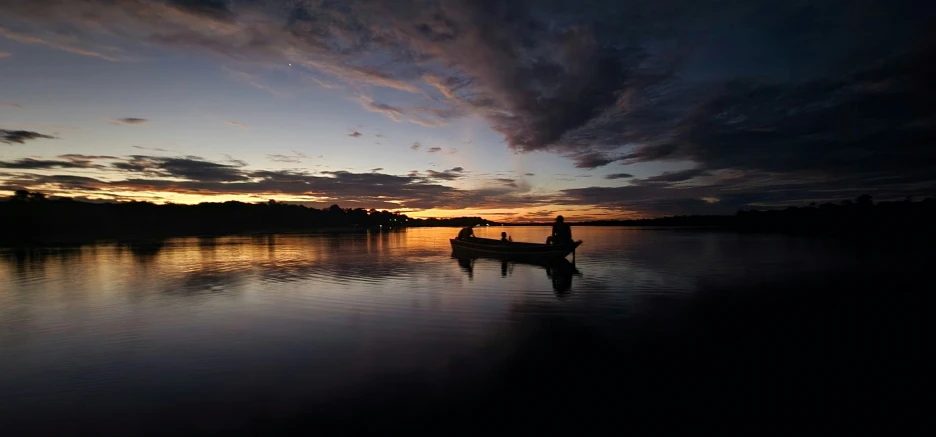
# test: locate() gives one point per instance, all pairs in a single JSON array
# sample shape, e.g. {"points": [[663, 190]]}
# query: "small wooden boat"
{"points": [[487, 246]]}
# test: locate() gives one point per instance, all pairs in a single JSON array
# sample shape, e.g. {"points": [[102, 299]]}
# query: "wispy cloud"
{"points": [[294, 158], [129, 121], [27, 39], [10, 105], [155, 149], [394, 113], [250, 79], [236, 124], [5, 54], [619, 176], [434, 150], [355, 134]]}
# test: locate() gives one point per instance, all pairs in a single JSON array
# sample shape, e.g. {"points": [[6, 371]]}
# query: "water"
{"points": [[266, 332]]}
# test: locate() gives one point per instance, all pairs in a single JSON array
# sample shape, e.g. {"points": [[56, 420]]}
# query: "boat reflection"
{"points": [[560, 271]]}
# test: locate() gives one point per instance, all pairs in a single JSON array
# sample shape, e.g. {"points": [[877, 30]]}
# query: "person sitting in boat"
{"points": [[465, 233], [561, 232], [505, 238]]}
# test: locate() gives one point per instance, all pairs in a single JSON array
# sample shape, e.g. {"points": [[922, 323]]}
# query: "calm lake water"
{"points": [[261, 333]]}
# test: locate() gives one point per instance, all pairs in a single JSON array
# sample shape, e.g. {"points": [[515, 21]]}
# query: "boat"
{"points": [[513, 249]]}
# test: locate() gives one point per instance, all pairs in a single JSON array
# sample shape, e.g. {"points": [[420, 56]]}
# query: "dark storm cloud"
{"points": [[873, 123], [619, 176], [20, 136]]}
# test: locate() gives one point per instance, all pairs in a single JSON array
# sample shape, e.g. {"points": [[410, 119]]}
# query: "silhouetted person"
{"points": [[561, 232], [466, 233], [505, 238]]}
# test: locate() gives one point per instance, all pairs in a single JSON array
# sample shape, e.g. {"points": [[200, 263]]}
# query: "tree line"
{"points": [[31, 216]]}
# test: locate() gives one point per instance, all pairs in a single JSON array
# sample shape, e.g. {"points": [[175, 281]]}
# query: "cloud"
{"points": [[130, 121], [426, 117], [394, 113], [295, 157], [235, 161], [446, 175], [28, 39], [5, 54], [192, 175], [216, 9], [375, 170], [529, 174], [155, 149], [415, 147], [788, 89], [236, 124], [592, 160], [10, 105], [355, 134], [80, 157], [434, 150], [41, 164], [619, 176], [249, 79], [677, 176], [21, 136], [189, 167]]}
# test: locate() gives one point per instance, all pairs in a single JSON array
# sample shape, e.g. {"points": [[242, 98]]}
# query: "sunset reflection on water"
{"points": [[329, 324]]}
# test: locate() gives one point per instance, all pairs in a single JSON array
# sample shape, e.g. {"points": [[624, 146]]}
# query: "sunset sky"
{"points": [[512, 110]]}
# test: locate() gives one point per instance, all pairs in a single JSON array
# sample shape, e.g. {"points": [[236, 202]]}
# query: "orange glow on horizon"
{"points": [[532, 214]]}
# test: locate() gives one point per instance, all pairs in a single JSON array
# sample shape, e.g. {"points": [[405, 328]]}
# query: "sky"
{"points": [[514, 110]]}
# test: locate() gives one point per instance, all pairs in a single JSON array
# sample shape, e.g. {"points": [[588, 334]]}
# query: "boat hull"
{"points": [[513, 250]]}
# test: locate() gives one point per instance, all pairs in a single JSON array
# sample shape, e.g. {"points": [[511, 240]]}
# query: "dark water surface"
{"points": [[387, 330]]}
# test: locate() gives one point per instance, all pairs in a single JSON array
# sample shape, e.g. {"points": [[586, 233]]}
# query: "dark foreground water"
{"points": [[388, 331]]}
